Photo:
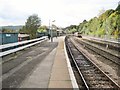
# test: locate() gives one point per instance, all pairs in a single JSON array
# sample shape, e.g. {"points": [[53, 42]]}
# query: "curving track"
{"points": [[92, 76]]}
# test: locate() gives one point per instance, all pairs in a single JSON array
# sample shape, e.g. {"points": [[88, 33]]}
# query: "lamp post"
{"points": [[51, 31], [51, 34], [49, 27]]}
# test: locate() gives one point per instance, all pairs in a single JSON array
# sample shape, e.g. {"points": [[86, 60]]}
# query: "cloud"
{"points": [[65, 12]]}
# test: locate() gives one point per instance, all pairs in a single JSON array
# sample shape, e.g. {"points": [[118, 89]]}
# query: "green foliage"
{"points": [[42, 29], [107, 23], [118, 8], [117, 34], [73, 30], [4, 30], [12, 27], [31, 26], [100, 32]]}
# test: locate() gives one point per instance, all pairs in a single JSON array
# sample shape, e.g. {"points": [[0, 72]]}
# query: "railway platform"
{"points": [[53, 72], [46, 65]]}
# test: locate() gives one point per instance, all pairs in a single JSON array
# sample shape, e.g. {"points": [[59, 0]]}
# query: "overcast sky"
{"points": [[65, 12]]}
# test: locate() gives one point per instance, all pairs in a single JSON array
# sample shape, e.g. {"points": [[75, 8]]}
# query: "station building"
{"points": [[23, 37], [8, 38]]}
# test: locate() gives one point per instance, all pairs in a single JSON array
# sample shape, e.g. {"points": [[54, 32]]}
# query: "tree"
{"points": [[23, 30], [118, 7], [4, 30], [101, 11], [31, 26], [42, 29]]}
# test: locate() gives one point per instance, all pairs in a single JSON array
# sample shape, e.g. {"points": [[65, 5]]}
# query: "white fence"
{"points": [[107, 42], [32, 42]]}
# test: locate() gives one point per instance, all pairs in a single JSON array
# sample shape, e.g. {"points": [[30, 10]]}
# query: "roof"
{"points": [[23, 35]]}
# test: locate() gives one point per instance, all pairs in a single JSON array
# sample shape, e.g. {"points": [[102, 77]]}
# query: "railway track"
{"points": [[115, 58], [92, 76]]}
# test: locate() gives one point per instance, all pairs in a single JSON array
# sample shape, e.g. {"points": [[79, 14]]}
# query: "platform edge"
{"points": [[72, 77]]}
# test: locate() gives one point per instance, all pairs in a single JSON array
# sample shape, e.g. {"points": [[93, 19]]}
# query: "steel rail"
{"points": [[80, 73], [76, 46], [116, 56]]}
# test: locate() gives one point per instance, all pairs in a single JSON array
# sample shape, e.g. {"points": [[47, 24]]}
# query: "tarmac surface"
{"points": [[41, 66], [22, 65]]}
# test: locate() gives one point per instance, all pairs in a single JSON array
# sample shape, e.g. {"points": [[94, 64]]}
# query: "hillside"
{"points": [[106, 25], [12, 27]]}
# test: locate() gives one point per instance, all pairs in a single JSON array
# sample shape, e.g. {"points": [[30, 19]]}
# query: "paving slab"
{"points": [[60, 84], [52, 72], [41, 75], [60, 77]]}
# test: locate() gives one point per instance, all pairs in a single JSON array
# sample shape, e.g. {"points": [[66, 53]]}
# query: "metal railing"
{"points": [[105, 38], [14, 47]]}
